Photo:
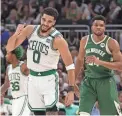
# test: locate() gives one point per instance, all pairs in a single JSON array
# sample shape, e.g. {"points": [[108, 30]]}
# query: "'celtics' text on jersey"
{"points": [[18, 81], [41, 56]]}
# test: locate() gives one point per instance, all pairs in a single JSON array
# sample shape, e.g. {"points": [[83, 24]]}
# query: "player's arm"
{"points": [[24, 69], [19, 36], [62, 46], [6, 84], [117, 57], [80, 59]]}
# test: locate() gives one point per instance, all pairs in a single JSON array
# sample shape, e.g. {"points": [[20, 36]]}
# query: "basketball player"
{"points": [[17, 78], [46, 44], [102, 55]]}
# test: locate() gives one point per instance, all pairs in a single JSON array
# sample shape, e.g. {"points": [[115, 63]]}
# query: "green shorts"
{"points": [[102, 90]]}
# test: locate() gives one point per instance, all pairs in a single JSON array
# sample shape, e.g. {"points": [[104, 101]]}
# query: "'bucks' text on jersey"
{"points": [[101, 51]]}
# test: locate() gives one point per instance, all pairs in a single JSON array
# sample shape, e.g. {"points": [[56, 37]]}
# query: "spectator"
{"points": [[74, 53], [62, 84], [65, 8], [19, 5], [74, 12], [120, 99], [114, 10], [13, 17], [118, 19], [119, 85], [54, 4], [26, 14], [87, 10], [37, 20], [73, 40], [4, 10]]}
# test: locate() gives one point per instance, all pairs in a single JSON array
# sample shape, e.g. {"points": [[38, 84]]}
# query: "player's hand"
{"points": [[92, 59], [20, 27], [69, 99], [76, 90]]}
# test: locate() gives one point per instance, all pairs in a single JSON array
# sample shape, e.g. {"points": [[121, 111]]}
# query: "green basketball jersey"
{"points": [[101, 51]]}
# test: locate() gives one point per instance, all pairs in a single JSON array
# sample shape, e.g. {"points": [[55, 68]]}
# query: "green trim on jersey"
{"points": [[38, 33], [56, 93], [101, 51], [45, 73], [7, 101], [54, 103], [19, 97], [35, 109], [53, 38], [99, 41]]}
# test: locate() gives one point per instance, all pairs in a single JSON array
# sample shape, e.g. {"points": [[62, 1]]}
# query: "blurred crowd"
{"points": [[70, 12]]}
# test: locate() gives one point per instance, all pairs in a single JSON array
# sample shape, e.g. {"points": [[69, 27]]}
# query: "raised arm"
{"points": [[19, 36]]}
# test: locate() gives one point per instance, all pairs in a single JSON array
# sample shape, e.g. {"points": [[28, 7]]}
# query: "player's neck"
{"points": [[15, 63], [98, 38], [46, 33]]}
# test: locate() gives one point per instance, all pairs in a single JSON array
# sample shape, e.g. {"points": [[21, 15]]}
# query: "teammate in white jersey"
{"points": [[17, 78], [46, 44]]}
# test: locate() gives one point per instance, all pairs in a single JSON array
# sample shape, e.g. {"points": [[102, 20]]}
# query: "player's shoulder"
{"points": [[84, 39], [56, 33], [112, 41]]}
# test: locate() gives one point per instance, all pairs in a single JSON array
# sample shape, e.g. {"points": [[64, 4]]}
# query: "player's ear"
{"points": [[54, 22], [91, 27]]}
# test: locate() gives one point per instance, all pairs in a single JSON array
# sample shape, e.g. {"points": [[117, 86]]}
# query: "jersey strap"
{"points": [[45, 73]]}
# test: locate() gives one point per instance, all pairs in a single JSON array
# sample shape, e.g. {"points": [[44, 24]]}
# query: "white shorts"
{"points": [[20, 107], [43, 92]]}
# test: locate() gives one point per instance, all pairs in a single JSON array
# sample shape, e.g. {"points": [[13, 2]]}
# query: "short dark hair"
{"points": [[98, 17], [51, 11]]}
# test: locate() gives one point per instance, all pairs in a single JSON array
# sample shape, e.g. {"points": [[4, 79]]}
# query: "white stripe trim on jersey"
{"points": [[86, 41], [107, 49], [84, 114], [99, 41]]}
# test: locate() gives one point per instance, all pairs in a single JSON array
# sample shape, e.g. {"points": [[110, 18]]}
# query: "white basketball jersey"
{"points": [[18, 81], [40, 53]]}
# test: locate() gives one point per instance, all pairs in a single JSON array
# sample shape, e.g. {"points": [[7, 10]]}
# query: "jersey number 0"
{"points": [[36, 56]]}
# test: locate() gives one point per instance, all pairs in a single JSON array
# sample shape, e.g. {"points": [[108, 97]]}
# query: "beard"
{"points": [[98, 34], [44, 31]]}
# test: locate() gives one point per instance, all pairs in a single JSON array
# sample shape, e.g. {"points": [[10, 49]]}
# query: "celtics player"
{"points": [[46, 44], [17, 78], [102, 55]]}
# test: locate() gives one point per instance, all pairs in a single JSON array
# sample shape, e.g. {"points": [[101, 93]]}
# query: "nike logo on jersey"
{"points": [[39, 73]]}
